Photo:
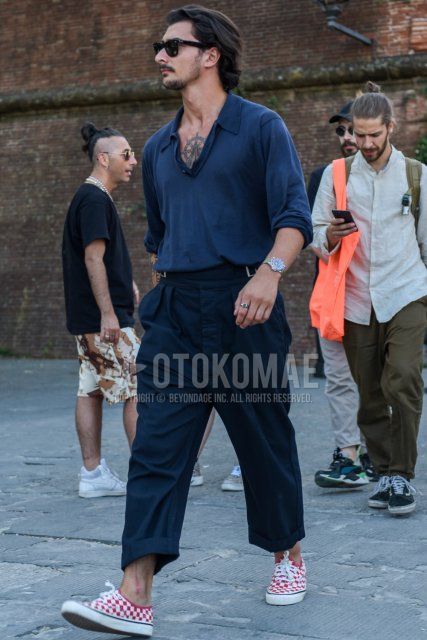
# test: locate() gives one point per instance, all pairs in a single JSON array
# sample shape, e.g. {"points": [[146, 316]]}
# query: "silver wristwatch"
{"points": [[275, 264]]}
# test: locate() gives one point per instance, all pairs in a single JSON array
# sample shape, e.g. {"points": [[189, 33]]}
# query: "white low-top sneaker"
{"points": [[100, 482], [197, 477], [234, 481]]}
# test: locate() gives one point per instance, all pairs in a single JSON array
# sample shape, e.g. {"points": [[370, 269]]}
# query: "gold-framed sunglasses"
{"points": [[127, 154]]}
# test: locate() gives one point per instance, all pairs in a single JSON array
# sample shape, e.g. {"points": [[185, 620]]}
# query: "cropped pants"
{"points": [[194, 357]]}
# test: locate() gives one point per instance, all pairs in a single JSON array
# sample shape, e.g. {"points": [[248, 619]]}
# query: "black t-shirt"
{"points": [[93, 216], [312, 189], [313, 184]]}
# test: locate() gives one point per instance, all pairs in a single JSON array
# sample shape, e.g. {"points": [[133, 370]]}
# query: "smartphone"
{"points": [[344, 214]]}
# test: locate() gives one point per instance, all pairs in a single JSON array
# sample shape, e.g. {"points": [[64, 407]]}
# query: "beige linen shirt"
{"points": [[388, 269]]}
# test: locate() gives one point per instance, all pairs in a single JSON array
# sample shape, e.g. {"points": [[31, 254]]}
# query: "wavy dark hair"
{"points": [[91, 135], [214, 29]]}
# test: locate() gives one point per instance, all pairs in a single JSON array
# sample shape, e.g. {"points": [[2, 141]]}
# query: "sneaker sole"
{"points": [[374, 504], [283, 600], [84, 618], [197, 482], [339, 483], [100, 494], [402, 511], [231, 487]]}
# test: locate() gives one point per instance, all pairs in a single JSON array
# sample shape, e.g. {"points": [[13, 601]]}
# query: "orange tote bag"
{"points": [[328, 298]]}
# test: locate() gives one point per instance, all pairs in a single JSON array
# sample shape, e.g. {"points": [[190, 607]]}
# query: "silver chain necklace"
{"points": [[100, 185]]}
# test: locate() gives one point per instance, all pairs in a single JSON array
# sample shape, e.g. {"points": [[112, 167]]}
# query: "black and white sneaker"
{"points": [[380, 496], [402, 500]]}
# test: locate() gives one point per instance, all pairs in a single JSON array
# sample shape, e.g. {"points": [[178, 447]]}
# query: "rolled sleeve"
{"points": [[286, 194]]}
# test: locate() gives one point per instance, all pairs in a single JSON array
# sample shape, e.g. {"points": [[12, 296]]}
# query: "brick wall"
{"points": [[47, 43], [55, 46]]}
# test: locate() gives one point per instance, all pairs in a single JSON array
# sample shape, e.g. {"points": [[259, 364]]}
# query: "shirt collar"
{"points": [[230, 114], [394, 156], [172, 130], [228, 119]]}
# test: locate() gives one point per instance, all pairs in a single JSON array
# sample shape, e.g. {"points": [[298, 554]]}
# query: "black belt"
{"points": [[221, 271]]}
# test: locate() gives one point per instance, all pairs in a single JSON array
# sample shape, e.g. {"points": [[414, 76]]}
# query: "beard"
{"points": [[178, 84], [377, 154], [346, 152], [174, 85]]}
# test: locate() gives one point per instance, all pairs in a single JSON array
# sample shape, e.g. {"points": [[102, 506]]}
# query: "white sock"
{"points": [[90, 474]]}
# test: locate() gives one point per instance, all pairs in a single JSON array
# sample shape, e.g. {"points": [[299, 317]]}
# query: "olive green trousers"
{"points": [[386, 360]]}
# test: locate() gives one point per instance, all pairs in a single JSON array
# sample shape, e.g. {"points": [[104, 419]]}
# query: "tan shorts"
{"points": [[108, 369]]}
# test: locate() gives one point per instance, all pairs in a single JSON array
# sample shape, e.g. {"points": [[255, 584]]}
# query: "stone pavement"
{"points": [[367, 571]]}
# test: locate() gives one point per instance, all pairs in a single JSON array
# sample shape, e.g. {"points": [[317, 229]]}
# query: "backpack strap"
{"points": [[348, 163], [413, 174]]}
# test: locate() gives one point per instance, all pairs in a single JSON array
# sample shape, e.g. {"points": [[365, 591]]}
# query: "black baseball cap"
{"points": [[344, 114]]}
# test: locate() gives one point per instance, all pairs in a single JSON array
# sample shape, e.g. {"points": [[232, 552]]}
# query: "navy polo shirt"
{"points": [[246, 184]]}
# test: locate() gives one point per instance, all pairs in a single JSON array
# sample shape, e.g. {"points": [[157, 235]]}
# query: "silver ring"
{"points": [[244, 305]]}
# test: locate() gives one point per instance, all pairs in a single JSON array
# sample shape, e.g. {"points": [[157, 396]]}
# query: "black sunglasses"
{"points": [[172, 46], [340, 131]]}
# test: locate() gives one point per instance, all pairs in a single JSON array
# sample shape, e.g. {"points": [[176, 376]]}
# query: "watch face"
{"points": [[277, 264]]}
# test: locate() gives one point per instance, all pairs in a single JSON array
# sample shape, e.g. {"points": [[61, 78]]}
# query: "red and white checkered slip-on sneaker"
{"points": [[110, 613], [289, 582]]}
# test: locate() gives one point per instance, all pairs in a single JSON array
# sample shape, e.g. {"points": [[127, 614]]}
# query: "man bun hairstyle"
{"points": [[91, 135], [373, 103], [214, 29]]}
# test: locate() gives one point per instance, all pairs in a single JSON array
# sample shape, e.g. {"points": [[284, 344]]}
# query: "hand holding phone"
{"points": [[343, 214], [338, 230]]}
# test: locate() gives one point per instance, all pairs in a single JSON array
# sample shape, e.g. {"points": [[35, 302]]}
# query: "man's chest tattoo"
{"points": [[192, 150]]}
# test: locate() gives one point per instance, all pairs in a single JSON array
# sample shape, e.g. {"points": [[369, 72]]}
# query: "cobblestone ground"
{"points": [[367, 571]]}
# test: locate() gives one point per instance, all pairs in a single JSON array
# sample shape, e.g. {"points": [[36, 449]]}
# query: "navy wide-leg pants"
{"points": [[188, 319]]}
